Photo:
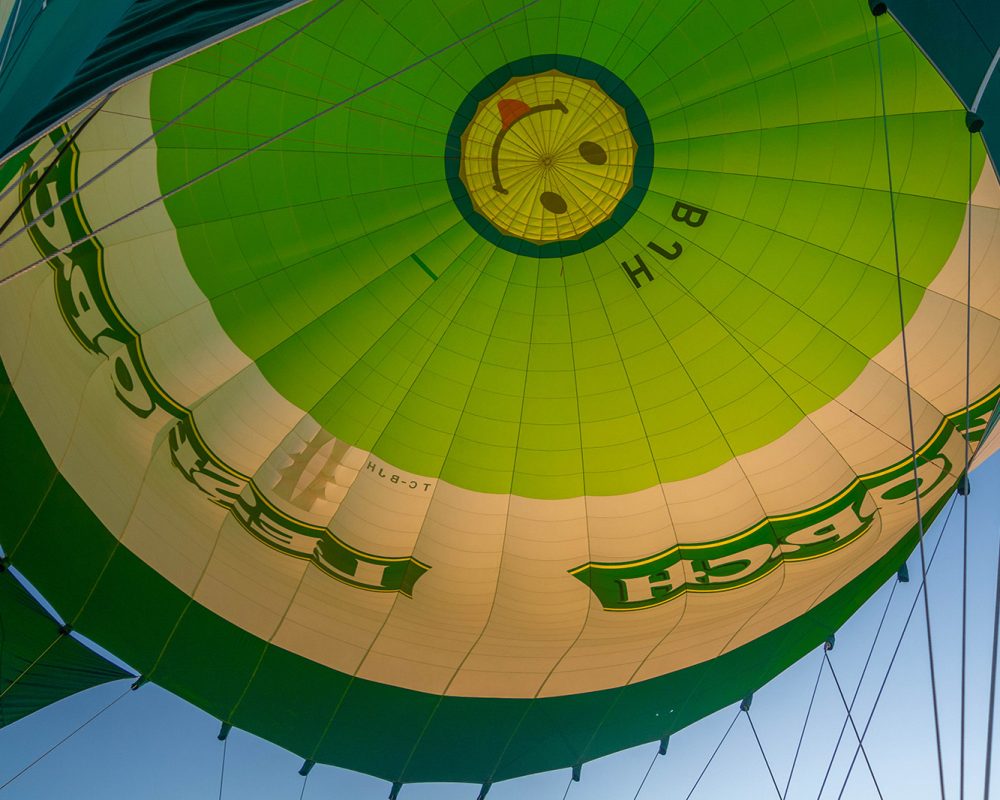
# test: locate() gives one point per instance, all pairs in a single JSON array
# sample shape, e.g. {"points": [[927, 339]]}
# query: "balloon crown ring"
{"points": [[549, 156]]}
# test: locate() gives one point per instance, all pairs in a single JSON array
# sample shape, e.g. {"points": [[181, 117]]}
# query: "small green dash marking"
{"points": [[424, 267]]}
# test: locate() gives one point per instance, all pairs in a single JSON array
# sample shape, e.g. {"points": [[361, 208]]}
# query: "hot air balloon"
{"points": [[457, 391]]}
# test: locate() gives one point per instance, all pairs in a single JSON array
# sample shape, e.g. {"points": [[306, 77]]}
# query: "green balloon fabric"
{"points": [[56, 57], [467, 390]]}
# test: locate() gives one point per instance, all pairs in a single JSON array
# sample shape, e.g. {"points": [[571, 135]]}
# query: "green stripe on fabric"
{"points": [[424, 267], [133, 611]]}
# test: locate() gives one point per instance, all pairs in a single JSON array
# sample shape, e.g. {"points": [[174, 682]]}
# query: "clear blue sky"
{"points": [[153, 745]]}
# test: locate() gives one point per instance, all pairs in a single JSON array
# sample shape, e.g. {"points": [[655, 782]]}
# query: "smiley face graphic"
{"points": [[547, 157]]}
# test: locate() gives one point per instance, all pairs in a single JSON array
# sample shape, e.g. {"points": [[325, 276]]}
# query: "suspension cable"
{"points": [[899, 643], [993, 684], [644, 777], [168, 124], [805, 724], [909, 400], [711, 758], [264, 143], [760, 746], [965, 479], [857, 689], [58, 140], [64, 739], [67, 143], [222, 772], [850, 718]]}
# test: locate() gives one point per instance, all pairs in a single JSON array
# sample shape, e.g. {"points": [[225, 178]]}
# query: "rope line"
{"points": [[993, 684], [985, 82], [16, 182], [909, 409], [169, 124], [760, 746], [965, 478], [67, 737], [305, 781], [850, 718], [711, 758], [644, 777], [899, 643], [222, 772], [857, 688], [66, 144], [265, 143], [805, 724], [32, 665], [8, 39]]}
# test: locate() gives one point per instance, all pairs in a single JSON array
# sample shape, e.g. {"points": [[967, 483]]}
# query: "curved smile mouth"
{"points": [[512, 112]]}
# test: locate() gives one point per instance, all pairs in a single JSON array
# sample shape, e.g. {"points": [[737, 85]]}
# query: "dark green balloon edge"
{"points": [[121, 603], [616, 89], [38, 666], [122, 39]]}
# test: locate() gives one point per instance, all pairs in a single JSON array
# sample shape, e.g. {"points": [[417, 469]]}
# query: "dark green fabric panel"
{"points": [[377, 728], [132, 625], [989, 110], [208, 661], [984, 15], [47, 46], [38, 665], [68, 54], [26, 471], [581, 717], [64, 550], [298, 697], [450, 731], [382, 730], [961, 38]]}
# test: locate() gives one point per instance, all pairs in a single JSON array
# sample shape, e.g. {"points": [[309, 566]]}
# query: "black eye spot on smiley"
{"points": [[553, 202], [593, 153]]}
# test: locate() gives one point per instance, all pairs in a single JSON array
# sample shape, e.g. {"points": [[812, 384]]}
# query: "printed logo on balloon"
{"points": [[549, 163]]}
